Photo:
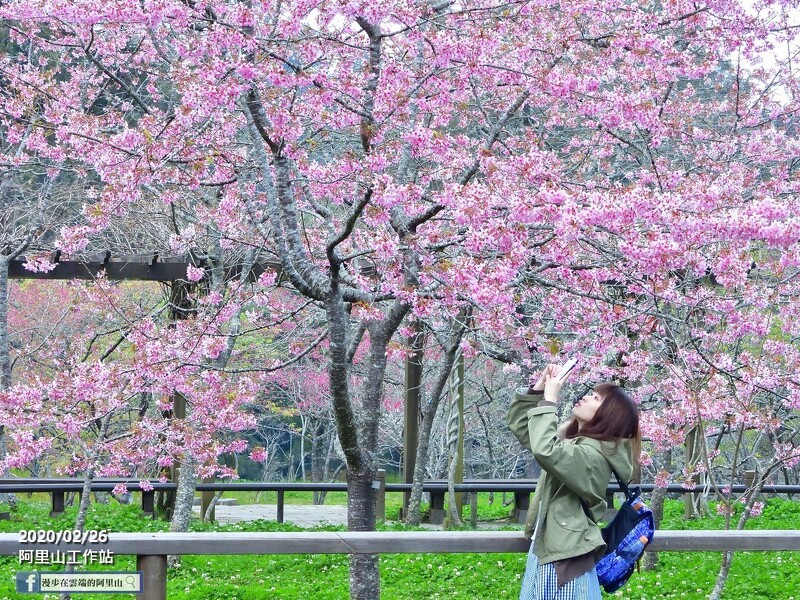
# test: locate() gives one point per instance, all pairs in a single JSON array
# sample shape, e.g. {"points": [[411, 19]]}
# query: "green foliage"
{"points": [[759, 576]]}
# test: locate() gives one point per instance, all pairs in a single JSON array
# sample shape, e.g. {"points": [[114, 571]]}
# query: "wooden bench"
{"points": [[151, 549]]}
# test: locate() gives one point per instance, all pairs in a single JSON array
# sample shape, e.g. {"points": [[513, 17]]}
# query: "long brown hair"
{"points": [[616, 419]]}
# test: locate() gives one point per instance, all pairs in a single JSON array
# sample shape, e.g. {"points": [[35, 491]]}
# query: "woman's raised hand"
{"points": [[552, 386], [550, 372]]}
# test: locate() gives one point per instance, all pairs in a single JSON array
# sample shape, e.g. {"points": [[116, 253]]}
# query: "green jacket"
{"points": [[571, 469]]}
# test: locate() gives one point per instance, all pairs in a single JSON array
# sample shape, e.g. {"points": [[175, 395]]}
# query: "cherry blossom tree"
{"points": [[89, 411]]}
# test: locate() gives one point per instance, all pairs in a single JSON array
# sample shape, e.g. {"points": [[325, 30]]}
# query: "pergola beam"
{"points": [[135, 268]]}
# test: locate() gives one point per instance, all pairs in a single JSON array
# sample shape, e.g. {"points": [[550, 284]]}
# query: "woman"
{"points": [[577, 461]]}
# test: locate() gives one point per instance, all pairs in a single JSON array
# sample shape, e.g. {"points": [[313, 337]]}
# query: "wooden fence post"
{"points": [[149, 503], [154, 577], [380, 500], [57, 501], [280, 506], [473, 512], [522, 501], [437, 507]]}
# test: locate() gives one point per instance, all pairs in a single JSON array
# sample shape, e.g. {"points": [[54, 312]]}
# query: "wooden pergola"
{"points": [[173, 269]]}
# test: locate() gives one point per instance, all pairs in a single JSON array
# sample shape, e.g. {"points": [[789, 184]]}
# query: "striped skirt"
{"points": [[539, 583]]}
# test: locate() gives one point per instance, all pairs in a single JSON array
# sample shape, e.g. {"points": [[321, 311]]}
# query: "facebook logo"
{"points": [[27, 583]]}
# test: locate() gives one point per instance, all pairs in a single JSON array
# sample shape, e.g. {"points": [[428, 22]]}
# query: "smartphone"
{"points": [[566, 368]]}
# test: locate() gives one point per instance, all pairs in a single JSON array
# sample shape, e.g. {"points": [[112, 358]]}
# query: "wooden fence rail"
{"points": [[521, 488], [151, 549]]}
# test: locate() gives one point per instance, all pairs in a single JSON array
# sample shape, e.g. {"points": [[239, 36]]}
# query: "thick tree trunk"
{"points": [[364, 568], [364, 574]]}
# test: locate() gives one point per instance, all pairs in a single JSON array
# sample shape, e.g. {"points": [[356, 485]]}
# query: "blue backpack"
{"points": [[626, 537]]}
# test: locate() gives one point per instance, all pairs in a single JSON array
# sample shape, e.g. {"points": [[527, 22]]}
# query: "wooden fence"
{"points": [[521, 488], [59, 487], [151, 549]]}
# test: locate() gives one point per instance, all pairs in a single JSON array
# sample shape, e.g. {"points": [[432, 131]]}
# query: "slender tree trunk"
{"points": [[80, 519], [358, 437], [693, 455], [322, 452], [326, 465], [722, 576], [727, 557], [316, 460], [211, 505], [411, 412], [180, 308], [413, 516], [429, 409], [303, 430], [657, 506], [86, 500], [184, 497], [488, 441], [454, 449]]}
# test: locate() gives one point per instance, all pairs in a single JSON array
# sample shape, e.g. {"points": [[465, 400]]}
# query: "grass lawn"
{"points": [[753, 576]]}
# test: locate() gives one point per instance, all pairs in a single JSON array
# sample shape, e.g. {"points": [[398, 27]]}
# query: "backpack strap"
{"points": [[629, 494], [622, 485]]}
